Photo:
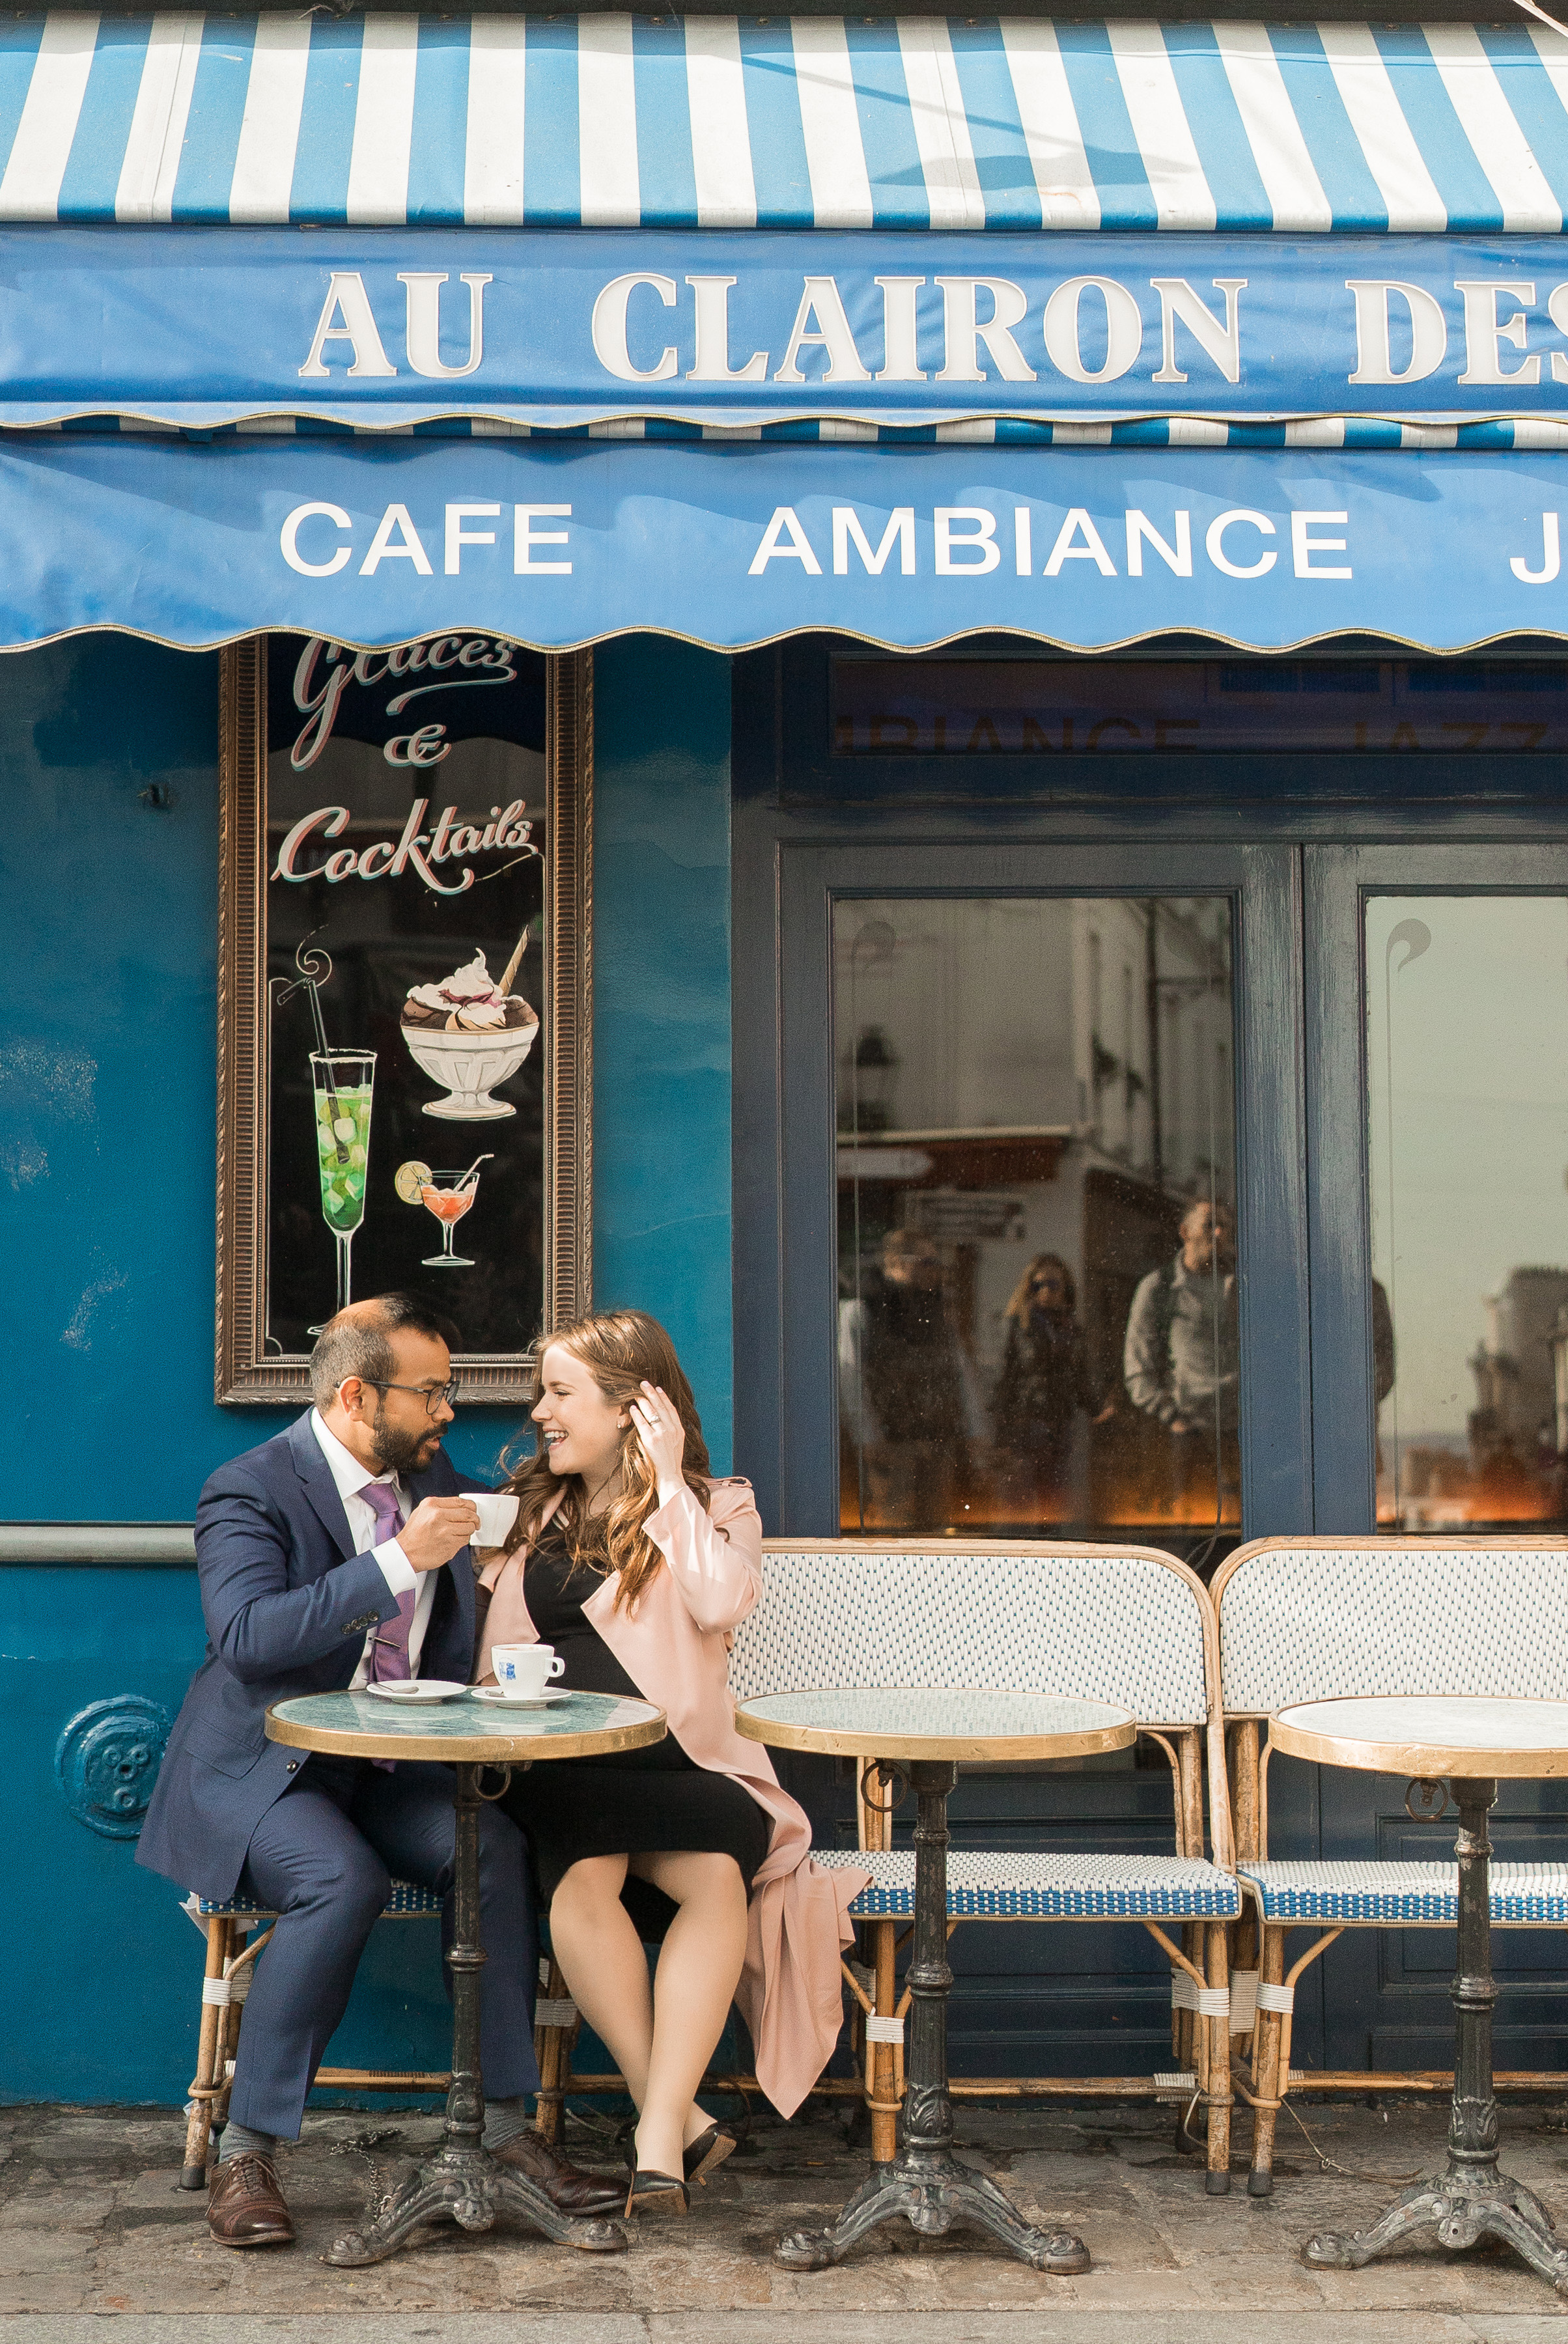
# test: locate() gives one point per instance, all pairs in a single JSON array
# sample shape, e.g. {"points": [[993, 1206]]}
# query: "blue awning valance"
{"points": [[912, 123], [564, 542]]}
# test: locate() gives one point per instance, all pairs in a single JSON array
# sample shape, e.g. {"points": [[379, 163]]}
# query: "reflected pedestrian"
{"points": [[1043, 1386]]}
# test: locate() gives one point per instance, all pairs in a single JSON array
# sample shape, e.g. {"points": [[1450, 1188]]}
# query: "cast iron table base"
{"points": [[1471, 2199], [925, 2182], [463, 2179]]}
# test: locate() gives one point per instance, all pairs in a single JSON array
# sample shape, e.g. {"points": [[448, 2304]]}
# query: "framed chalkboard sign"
{"points": [[404, 998]]}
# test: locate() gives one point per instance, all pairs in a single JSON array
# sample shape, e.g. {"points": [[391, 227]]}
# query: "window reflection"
{"points": [[1467, 1057], [1037, 1310]]}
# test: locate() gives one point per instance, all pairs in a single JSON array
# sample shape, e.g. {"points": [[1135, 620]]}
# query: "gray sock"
{"points": [[503, 2120], [238, 2141]]}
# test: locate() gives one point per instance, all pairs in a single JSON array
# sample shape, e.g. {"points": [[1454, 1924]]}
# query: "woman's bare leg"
{"points": [[601, 1954], [699, 1969]]}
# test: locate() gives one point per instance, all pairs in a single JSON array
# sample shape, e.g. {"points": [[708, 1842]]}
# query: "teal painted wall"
{"points": [[662, 1004], [108, 1138]]}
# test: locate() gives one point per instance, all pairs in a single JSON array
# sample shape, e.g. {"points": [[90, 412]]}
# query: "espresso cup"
{"points": [[497, 1512], [523, 1671]]}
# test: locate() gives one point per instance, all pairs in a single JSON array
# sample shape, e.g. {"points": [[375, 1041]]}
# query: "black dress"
{"points": [[643, 1802]]}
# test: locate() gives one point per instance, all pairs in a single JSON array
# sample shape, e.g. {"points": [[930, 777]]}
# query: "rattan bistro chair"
{"points": [[1123, 1624], [236, 1932], [1325, 1619]]}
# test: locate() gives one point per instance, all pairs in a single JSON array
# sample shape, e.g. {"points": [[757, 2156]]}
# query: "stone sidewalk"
{"points": [[92, 2225]]}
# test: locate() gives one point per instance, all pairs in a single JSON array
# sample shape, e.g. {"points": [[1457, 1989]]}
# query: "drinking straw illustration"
{"points": [[315, 971]]}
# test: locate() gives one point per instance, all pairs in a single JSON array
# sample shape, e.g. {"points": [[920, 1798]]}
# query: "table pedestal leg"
{"points": [[925, 2183], [463, 2180], [1471, 2199]]}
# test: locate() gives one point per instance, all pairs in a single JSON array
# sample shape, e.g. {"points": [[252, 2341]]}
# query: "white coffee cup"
{"points": [[497, 1513], [523, 1671]]}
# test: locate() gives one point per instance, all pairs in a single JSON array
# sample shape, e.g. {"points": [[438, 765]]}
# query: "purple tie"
{"points": [[389, 1645]]}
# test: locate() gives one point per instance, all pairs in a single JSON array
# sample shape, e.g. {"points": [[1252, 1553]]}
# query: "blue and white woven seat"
{"points": [[1412, 1895], [407, 1902], [1019, 1885]]}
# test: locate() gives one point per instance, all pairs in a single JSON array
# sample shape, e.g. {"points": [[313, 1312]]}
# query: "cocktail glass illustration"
{"points": [[449, 1196], [343, 1082]]}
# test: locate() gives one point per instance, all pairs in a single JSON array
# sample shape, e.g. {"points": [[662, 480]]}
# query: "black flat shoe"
{"points": [[708, 2152], [661, 2193]]}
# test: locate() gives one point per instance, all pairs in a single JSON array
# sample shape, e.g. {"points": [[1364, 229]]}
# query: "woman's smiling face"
{"points": [[580, 1430]]}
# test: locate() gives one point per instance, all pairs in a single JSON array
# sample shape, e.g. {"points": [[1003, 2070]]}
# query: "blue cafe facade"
{"points": [[1050, 535]]}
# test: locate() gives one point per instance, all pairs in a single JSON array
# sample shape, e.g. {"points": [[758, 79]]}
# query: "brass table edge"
{"points": [[498, 1749], [960, 1748], [1414, 1758]]}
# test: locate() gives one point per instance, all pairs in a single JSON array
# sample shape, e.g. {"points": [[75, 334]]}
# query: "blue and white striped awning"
{"points": [[822, 122]]}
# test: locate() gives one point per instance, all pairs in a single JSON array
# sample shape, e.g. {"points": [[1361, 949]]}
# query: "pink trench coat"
{"points": [[676, 1649]]}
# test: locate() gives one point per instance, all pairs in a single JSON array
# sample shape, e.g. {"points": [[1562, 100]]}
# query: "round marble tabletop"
{"points": [[1429, 1735], [465, 1730], [917, 1722]]}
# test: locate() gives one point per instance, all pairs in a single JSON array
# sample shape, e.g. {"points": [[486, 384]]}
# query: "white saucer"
{"points": [[494, 1692], [417, 1691]]}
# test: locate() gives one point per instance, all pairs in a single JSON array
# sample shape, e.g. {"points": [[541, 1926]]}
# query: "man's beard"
{"points": [[400, 1452]]}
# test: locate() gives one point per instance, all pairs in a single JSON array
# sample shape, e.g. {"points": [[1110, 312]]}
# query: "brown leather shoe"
{"points": [[245, 2205], [584, 2194]]}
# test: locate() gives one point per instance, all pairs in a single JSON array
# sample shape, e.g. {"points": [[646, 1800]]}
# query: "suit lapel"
{"points": [[316, 1475]]}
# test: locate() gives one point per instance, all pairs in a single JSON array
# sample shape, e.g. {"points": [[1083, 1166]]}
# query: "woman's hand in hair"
{"points": [[663, 1438]]}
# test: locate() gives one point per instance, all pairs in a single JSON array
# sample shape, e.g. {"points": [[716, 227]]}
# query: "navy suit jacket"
{"points": [[288, 1605]]}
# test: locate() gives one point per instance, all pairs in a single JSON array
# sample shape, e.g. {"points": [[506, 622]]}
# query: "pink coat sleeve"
{"points": [[715, 1558]]}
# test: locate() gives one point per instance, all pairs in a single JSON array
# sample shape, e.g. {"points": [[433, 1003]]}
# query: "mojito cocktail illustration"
{"points": [[343, 1082]]}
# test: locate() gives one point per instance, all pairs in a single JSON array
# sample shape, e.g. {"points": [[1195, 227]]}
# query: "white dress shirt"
{"points": [[398, 1572]]}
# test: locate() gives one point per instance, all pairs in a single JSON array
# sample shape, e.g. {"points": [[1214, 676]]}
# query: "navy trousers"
{"points": [[322, 1859]]}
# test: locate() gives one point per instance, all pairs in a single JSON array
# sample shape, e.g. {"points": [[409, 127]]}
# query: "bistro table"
{"points": [[921, 1738], [474, 1737], [1469, 1744]]}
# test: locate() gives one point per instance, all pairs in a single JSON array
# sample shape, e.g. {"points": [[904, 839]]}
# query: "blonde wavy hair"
{"points": [[621, 1350]]}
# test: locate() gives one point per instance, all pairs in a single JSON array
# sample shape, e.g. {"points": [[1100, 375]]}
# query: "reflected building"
{"points": [[1514, 1427]]}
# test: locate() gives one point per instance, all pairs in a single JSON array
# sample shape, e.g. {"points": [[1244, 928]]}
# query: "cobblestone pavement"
{"points": [[91, 2224]]}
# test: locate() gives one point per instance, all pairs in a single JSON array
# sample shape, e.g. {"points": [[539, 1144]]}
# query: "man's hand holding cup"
{"points": [[437, 1530]]}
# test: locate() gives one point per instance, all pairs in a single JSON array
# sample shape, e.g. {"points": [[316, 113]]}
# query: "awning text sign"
{"points": [[383, 328], [368, 543]]}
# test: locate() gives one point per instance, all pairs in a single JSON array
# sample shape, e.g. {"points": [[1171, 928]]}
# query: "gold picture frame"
{"points": [[244, 1374]]}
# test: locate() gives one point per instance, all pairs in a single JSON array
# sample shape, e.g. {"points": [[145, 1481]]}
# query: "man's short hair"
{"points": [[361, 1346]]}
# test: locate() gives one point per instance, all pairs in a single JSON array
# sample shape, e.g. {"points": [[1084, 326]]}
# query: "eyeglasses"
{"points": [[432, 1395]]}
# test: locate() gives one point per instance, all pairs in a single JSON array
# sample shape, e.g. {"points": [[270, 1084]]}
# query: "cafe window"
{"points": [[1467, 1097], [1036, 1219]]}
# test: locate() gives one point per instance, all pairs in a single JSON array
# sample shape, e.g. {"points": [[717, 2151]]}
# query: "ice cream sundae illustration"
{"points": [[469, 1034]]}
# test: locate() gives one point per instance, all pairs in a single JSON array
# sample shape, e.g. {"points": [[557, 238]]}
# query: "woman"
{"points": [[636, 1565], [1043, 1384]]}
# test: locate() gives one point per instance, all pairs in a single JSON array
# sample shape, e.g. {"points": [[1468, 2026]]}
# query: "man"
{"points": [[904, 1386], [1180, 1359], [334, 1556]]}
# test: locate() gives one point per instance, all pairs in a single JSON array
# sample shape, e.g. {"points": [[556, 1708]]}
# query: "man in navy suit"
{"points": [[333, 1556]]}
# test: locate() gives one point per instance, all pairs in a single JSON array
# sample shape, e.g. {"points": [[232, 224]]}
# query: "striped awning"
{"points": [[732, 121]]}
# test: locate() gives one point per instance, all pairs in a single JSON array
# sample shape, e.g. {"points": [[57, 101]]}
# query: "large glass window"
{"points": [[1037, 1232], [1467, 1068]]}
